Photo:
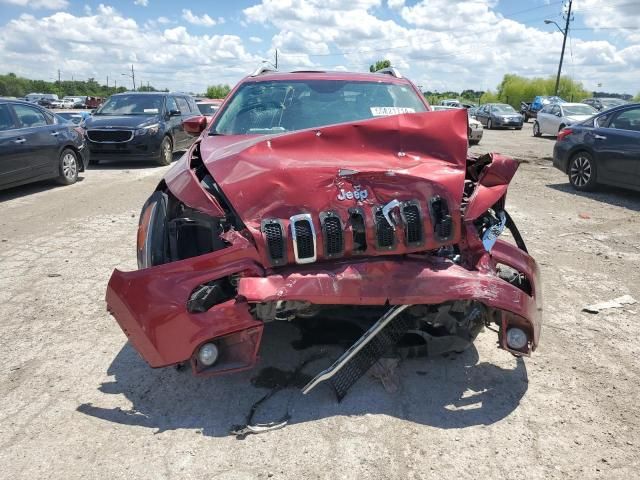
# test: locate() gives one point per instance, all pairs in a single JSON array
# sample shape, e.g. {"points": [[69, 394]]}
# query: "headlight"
{"points": [[149, 130], [151, 231]]}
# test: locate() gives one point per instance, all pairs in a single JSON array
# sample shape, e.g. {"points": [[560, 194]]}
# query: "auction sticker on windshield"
{"points": [[384, 111]]}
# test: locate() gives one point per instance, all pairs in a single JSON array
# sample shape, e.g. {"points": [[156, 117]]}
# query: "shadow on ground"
{"points": [[33, 188], [615, 196], [447, 392], [129, 164]]}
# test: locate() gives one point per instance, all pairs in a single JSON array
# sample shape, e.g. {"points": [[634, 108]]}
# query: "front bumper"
{"points": [[561, 156], [150, 305], [500, 122], [476, 134]]}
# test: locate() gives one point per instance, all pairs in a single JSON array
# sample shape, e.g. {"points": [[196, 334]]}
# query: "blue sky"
{"points": [[440, 44]]}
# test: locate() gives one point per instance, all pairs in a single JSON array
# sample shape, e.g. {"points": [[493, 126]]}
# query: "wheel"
{"points": [[525, 118], [166, 152], [582, 172], [68, 167], [489, 124], [474, 142], [536, 129], [518, 128]]}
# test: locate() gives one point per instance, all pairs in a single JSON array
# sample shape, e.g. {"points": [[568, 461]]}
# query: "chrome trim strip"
{"points": [[110, 130], [294, 238], [392, 313]]}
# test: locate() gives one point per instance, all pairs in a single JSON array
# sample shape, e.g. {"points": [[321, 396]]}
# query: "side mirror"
{"points": [[174, 113], [195, 125]]}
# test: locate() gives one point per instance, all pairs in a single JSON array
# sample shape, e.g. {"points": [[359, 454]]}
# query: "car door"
{"points": [[553, 120], [481, 115], [174, 122], [543, 119], [617, 147], [14, 155], [41, 138]]}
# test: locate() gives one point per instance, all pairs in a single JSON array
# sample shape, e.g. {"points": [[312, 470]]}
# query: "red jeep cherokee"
{"points": [[313, 193]]}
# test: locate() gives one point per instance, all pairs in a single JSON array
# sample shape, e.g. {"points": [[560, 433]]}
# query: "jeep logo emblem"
{"points": [[357, 193]]}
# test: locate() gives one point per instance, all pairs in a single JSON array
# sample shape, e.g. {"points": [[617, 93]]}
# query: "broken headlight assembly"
{"points": [[169, 231]]}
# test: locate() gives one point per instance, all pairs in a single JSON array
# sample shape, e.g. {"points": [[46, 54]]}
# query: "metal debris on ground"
{"points": [[615, 303]]}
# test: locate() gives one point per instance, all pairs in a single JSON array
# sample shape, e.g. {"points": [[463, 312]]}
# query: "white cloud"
{"points": [[445, 44], [395, 4], [107, 42], [203, 20], [39, 4], [255, 39], [142, 3]]}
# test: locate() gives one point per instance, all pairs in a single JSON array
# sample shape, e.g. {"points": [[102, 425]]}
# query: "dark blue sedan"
{"points": [[604, 149]]}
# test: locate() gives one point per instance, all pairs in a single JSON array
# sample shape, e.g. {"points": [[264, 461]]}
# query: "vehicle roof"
{"points": [[567, 104], [217, 101], [152, 93], [23, 102], [323, 75]]}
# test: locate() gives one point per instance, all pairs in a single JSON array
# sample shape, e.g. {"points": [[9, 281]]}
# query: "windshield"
{"points": [[132, 105], [503, 108], [208, 108], [578, 110], [612, 102], [72, 117], [282, 106]]}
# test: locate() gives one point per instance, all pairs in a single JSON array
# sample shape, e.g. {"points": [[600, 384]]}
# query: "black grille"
{"points": [[359, 231], [275, 241], [442, 222], [333, 238], [109, 135], [362, 361], [385, 235], [304, 239], [413, 224]]}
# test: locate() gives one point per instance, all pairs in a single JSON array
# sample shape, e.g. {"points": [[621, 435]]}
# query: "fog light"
{"points": [[208, 354], [516, 338]]}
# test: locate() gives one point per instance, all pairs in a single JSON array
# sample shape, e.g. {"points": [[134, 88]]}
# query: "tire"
{"points": [[166, 152], [518, 128], [68, 167], [582, 172], [489, 124], [536, 129], [525, 118], [474, 142]]}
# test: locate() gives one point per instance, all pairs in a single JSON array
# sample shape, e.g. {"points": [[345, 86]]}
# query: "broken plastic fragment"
{"points": [[615, 303]]}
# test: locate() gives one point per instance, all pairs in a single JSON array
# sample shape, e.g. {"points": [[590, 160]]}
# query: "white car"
{"points": [[66, 102], [476, 129], [554, 117]]}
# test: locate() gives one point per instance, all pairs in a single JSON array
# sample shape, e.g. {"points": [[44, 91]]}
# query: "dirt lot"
{"points": [[77, 402]]}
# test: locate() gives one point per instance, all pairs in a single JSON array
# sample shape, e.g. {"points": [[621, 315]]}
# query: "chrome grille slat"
{"points": [[303, 236]]}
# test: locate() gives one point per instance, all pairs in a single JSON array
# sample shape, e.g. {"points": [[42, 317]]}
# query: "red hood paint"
{"points": [[407, 157]]}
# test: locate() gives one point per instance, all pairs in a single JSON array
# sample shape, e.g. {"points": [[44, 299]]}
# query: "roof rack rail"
{"points": [[263, 69], [390, 71]]}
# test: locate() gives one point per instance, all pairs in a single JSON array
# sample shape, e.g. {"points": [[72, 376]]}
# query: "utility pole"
{"points": [[276, 58], [133, 74], [564, 32]]}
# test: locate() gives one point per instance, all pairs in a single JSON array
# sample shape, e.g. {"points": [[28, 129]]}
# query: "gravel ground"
{"points": [[77, 402]]}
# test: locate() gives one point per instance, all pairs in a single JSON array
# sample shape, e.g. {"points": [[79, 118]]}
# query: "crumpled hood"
{"points": [[338, 167]]}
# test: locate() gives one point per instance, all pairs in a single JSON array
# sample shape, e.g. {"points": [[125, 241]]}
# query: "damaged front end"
{"points": [[384, 221]]}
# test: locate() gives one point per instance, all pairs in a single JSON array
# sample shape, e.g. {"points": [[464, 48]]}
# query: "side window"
{"points": [[29, 116], [627, 120], [183, 105], [171, 104], [192, 105], [546, 109], [6, 119], [555, 110]]}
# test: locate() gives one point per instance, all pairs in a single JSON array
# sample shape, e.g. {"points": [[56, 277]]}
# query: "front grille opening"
{"points": [[110, 136], [442, 222], [332, 234], [304, 239], [385, 235], [209, 294], [514, 277], [356, 219], [190, 237], [274, 237], [413, 224]]}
